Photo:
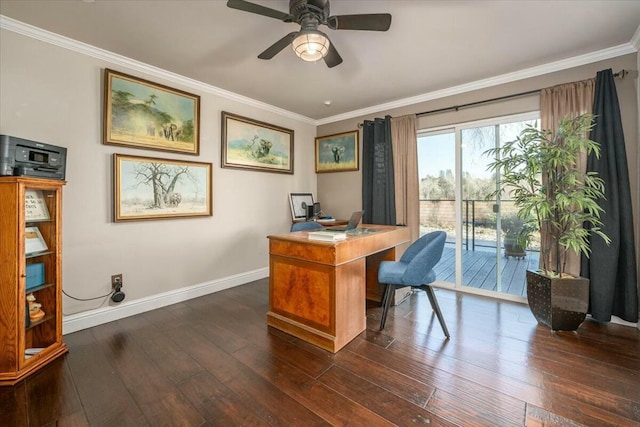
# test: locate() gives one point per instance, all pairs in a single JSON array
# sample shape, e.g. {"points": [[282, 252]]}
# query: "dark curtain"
{"points": [[378, 192], [611, 269]]}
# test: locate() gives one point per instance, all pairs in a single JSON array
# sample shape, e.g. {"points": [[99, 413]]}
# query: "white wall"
{"points": [[54, 95]]}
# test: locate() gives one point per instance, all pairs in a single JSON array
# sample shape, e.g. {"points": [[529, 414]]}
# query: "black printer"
{"points": [[22, 157]]}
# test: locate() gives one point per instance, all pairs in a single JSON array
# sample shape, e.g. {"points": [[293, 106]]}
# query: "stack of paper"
{"points": [[327, 236]]}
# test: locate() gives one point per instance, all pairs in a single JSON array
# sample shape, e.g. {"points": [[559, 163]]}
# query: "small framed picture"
{"points": [[337, 153], [34, 242], [299, 203], [35, 206]]}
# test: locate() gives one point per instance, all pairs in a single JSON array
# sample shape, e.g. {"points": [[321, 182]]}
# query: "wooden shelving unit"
{"points": [[26, 346]]}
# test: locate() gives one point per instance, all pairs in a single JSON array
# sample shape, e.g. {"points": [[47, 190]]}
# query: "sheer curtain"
{"points": [[405, 166], [572, 99]]}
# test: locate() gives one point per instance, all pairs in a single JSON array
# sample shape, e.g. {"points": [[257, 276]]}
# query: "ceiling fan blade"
{"points": [[260, 10], [368, 22], [332, 58], [275, 48]]}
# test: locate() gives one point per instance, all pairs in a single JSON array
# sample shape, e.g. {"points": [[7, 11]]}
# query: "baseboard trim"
{"points": [[91, 318], [619, 321]]}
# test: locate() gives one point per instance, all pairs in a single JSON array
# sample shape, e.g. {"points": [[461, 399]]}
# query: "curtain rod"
{"points": [[472, 104], [620, 74]]}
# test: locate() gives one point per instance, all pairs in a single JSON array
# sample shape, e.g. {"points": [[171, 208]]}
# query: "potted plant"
{"points": [[516, 235], [538, 170]]}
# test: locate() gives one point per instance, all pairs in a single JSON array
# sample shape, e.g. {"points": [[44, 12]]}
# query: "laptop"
{"points": [[355, 219]]}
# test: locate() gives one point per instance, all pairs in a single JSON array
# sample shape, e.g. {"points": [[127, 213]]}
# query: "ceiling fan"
{"points": [[311, 44]]}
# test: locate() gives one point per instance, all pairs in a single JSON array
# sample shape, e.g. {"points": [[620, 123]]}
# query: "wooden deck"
{"points": [[479, 270]]}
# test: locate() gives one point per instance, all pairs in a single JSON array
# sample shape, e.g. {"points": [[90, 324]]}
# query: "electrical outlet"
{"points": [[116, 281]]}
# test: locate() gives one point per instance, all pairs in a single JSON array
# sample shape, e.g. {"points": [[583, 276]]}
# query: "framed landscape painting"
{"points": [[152, 188], [337, 153], [254, 145], [142, 114]]}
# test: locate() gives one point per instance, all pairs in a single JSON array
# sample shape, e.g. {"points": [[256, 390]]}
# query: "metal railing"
{"points": [[472, 217]]}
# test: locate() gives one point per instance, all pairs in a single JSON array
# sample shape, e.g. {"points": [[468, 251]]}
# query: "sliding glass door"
{"points": [[437, 186], [455, 184]]}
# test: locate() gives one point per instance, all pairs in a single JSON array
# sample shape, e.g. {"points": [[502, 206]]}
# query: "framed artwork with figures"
{"points": [[337, 153], [151, 188], [142, 114], [254, 145]]}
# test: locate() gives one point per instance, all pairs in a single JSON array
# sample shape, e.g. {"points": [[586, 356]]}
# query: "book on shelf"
{"points": [[327, 236], [30, 352], [33, 350]]}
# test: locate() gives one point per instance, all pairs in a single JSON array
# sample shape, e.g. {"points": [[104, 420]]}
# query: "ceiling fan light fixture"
{"points": [[311, 45]]}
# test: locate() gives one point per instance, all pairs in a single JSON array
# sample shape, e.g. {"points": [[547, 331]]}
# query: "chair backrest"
{"points": [[422, 256], [306, 225]]}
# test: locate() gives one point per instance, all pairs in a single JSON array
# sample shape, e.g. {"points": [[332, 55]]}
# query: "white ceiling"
{"points": [[431, 45]]}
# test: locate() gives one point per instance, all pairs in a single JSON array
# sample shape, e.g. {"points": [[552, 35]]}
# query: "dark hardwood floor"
{"points": [[213, 361]]}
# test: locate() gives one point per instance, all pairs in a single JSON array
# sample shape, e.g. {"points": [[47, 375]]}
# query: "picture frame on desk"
{"points": [[299, 203], [338, 152]]}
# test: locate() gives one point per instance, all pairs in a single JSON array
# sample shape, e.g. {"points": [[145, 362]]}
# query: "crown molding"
{"points": [[635, 40], [551, 67], [104, 55], [113, 58]]}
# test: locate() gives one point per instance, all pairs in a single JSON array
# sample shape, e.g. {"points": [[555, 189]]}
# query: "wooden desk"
{"points": [[317, 290]]}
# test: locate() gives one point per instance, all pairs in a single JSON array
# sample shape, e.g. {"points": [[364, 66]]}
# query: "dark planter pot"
{"points": [[558, 303], [512, 248]]}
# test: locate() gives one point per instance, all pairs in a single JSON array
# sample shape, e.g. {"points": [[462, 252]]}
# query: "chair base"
{"points": [[386, 303]]}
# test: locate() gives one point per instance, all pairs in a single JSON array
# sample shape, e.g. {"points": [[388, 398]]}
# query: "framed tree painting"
{"points": [[337, 153], [142, 114], [152, 188], [254, 145]]}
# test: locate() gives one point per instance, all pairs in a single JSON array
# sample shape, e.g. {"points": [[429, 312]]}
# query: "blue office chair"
{"points": [[306, 226], [414, 269]]}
